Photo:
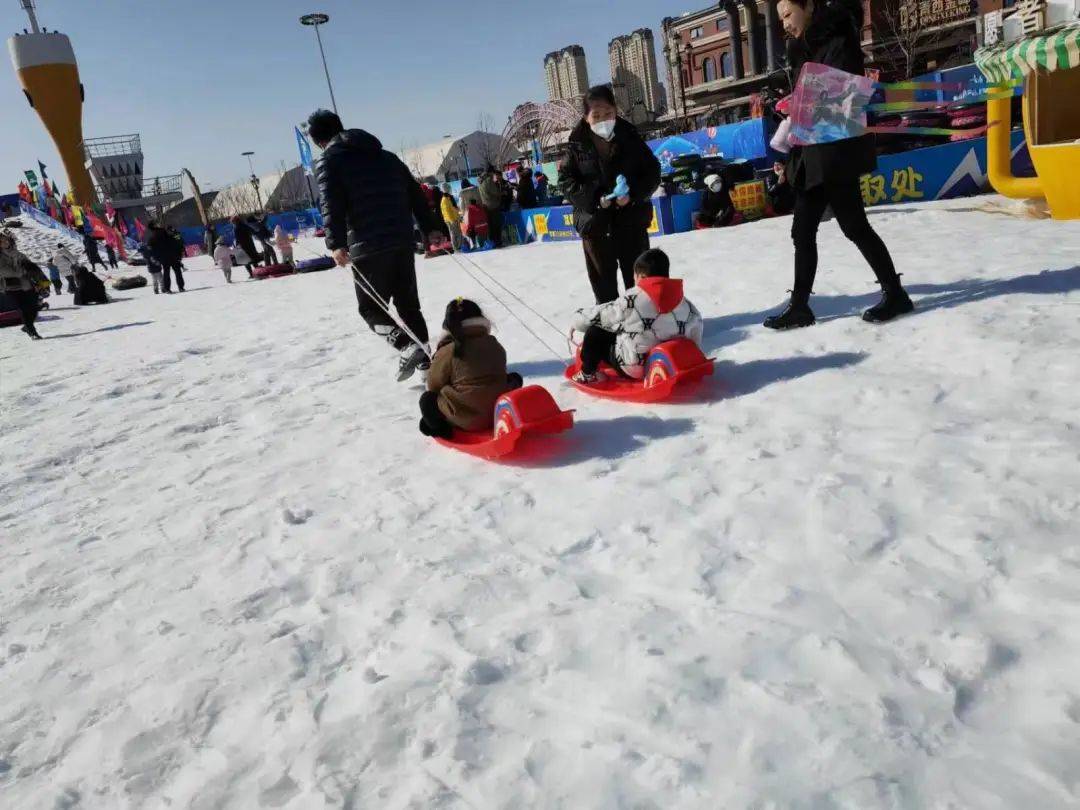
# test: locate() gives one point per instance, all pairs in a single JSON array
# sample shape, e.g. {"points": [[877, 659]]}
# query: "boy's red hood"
{"points": [[666, 293]]}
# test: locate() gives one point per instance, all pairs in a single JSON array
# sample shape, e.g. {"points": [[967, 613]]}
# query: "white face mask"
{"points": [[604, 129]]}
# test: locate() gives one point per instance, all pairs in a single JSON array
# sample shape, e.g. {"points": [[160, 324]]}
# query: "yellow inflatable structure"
{"points": [[1049, 65], [46, 67]]}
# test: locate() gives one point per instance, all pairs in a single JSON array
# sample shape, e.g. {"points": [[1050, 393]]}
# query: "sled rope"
{"points": [[512, 294], [510, 309], [365, 286]]}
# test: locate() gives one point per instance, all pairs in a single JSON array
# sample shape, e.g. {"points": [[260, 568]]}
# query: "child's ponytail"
{"points": [[457, 312]]}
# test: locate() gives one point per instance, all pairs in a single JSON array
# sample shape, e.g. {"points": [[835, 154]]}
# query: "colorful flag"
{"points": [[305, 150], [31, 178], [42, 167], [97, 227]]}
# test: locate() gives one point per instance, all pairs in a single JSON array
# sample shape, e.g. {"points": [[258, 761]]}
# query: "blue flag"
{"points": [[305, 150], [42, 167]]}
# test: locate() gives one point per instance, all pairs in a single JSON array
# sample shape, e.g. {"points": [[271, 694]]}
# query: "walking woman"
{"points": [[823, 175], [614, 232], [18, 280]]}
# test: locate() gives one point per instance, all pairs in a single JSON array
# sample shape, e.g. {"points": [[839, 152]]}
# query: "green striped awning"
{"points": [[1057, 49]]}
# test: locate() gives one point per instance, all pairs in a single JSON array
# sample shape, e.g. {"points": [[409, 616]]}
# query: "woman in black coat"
{"points": [[614, 232], [245, 238], [823, 175]]}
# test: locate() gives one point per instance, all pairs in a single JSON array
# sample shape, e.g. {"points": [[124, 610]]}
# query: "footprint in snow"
{"points": [[483, 673], [296, 517]]}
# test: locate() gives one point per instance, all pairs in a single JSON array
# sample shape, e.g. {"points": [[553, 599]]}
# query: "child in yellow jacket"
{"points": [[452, 217]]}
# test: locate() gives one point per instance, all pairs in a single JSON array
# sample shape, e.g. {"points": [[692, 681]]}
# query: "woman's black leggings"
{"points": [[847, 205]]}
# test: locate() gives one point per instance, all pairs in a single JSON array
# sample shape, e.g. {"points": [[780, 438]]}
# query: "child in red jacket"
{"points": [[475, 225]]}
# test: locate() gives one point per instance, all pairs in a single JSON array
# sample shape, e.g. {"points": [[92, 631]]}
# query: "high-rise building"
{"points": [[565, 73], [634, 78]]}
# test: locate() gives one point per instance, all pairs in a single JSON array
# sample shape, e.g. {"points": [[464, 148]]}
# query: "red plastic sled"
{"points": [[10, 318], [443, 247], [669, 365], [273, 271], [527, 411]]}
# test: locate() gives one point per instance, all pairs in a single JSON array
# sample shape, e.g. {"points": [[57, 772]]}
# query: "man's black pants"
{"points": [[392, 273], [27, 302], [176, 267]]}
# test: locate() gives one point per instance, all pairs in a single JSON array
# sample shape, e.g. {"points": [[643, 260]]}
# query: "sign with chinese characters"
{"points": [[749, 199], [936, 173], [918, 15], [557, 224], [992, 22]]}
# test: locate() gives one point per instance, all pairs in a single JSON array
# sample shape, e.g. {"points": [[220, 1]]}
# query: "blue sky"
{"points": [[204, 81]]}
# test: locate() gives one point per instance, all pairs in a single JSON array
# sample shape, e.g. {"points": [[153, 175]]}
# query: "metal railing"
{"points": [[165, 184], [112, 146]]}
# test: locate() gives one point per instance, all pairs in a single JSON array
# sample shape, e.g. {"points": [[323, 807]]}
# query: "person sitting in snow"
{"points": [[622, 332], [223, 258], [717, 209], [778, 189], [89, 289], [468, 374]]}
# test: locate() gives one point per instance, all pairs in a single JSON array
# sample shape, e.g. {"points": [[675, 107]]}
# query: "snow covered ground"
{"points": [[234, 575]]}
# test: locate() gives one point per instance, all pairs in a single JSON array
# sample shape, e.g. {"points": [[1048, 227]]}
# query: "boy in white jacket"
{"points": [[622, 332], [65, 263], [223, 258]]}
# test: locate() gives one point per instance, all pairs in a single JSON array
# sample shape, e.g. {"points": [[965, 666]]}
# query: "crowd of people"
{"points": [[370, 202], [477, 218]]}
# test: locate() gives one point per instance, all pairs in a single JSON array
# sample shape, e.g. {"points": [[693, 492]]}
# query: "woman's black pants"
{"points": [[847, 205], [608, 254]]}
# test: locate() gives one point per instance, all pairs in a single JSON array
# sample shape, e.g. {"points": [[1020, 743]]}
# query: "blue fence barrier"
{"points": [[556, 224], [935, 173], [293, 222]]}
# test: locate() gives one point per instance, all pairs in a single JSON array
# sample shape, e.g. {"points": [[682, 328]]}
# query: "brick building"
{"points": [[718, 58]]}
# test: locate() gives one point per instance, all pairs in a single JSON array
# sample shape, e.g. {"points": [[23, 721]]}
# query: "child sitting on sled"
{"points": [[468, 374], [622, 332]]}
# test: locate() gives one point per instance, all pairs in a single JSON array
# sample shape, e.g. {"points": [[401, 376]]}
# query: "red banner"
{"points": [[97, 226]]}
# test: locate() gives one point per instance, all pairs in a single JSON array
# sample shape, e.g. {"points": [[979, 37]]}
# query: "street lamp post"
{"points": [[315, 20], [254, 179]]}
